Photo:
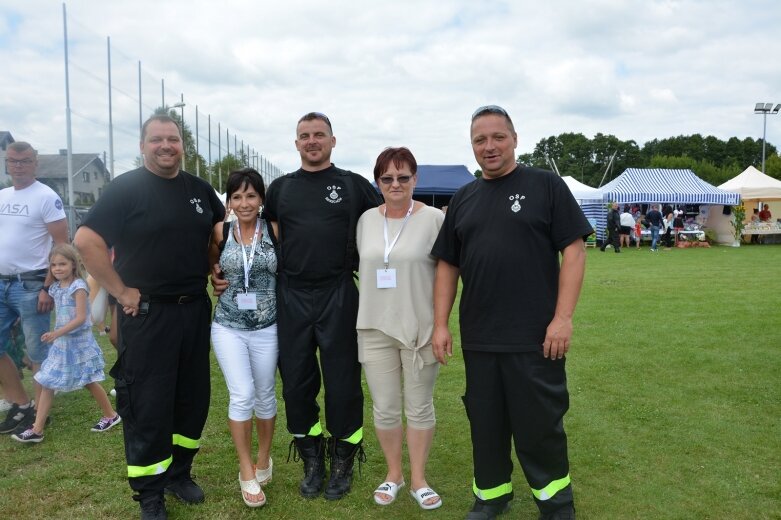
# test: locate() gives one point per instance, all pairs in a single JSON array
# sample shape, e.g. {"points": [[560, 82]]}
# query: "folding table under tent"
{"points": [[660, 186]]}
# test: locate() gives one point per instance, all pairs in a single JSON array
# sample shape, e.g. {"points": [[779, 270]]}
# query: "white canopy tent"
{"points": [[752, 184]]}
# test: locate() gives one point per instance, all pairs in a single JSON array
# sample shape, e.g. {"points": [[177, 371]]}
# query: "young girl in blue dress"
{"points": [[75, 359]]}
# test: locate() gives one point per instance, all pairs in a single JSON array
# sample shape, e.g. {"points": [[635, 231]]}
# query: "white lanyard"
{"points": [[248, 264], [389, 247]]}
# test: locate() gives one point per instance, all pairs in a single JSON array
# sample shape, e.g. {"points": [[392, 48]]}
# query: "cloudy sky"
{"points": [[389, 73]]}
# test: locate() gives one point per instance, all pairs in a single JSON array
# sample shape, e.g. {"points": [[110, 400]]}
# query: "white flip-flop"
{"points": [[251, 487], [423, 494], [388, 488], [263, 476]]}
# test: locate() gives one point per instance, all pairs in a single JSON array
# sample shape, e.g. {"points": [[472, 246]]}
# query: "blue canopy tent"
{"points": [[437, 183], [660, 186]]}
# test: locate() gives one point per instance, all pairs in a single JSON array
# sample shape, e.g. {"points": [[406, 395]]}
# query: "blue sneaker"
{"points": [[27, 436], [106, 423]]}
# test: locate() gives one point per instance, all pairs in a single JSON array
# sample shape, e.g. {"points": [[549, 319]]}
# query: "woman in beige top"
{"points": [[395, 322]]}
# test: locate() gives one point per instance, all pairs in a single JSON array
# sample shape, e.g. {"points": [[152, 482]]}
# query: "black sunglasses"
{"points": [[490, 109], [402, 179]]}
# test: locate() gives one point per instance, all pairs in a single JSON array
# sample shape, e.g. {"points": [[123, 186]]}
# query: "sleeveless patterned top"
{"points": [[262, 281]]}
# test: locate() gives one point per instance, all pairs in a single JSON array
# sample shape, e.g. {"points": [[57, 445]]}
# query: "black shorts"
{"points": [[625, 230]]}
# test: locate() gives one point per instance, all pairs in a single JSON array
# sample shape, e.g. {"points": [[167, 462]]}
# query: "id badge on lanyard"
{"points": [[247, 301], [386, 278]]}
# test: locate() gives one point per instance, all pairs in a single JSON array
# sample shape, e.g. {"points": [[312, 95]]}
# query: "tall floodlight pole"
{"points": [[71, 215], [110, 113], [162, 92], [184, 148], [197, 149], [140, 110], [219, 155], [765, 109], [209, 124]]}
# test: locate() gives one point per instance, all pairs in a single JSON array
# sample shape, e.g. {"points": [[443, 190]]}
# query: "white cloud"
{"points": [[405, 72]]}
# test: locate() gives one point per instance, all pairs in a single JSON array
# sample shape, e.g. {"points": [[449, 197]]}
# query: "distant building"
{"points": [[5, 139], [90, 176]]}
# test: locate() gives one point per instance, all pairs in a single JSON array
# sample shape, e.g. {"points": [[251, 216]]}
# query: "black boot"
{"points": [[312, 451], [342, 459]]}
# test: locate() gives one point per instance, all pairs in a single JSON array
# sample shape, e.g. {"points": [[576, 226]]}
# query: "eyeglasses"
{"points": [[401, 179], [19, 162], [490, 109]]}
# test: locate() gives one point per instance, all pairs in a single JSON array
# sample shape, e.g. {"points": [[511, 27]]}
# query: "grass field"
{"points": [[675, 380]]}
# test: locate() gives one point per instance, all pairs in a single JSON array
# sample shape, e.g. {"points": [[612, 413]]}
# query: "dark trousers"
{"points": [[312, 315], [163, 387], [613, 239], [520, 397]]}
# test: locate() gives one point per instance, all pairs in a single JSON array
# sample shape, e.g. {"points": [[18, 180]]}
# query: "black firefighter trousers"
{"points": [[520, 397], [163, 387], [312, 314]]}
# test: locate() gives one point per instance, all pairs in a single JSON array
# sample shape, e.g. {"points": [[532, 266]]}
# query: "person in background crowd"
{"points": [[638, 230], [754, 220], [396, 321], [613, 229], [667, 239], [516, 324], [765, 214], [32, 210], [244, 332], [158, 277], [656, 221], [627, 222]]}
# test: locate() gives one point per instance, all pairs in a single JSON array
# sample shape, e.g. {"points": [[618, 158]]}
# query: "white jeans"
{"points": [[248, 359]]}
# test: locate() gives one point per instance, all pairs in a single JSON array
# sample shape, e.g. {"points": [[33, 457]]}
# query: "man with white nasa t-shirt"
{"points": [[31, 216]]}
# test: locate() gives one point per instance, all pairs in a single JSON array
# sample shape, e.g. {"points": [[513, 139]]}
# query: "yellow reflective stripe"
{"points": [[186, 442], [551, 489], [489, 494], [146, 471], [316, 430], [356, 437]]}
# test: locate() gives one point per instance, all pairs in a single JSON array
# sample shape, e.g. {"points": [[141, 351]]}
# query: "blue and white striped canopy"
{"points": [[639, 185]]}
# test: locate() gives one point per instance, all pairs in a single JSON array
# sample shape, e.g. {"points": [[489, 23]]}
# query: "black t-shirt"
{"points": [[505, 236], [313, 212], [160, 230], [654, 217]]}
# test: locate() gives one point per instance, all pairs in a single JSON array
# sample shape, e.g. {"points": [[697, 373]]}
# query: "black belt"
{"points": [[167, 298], [28, 276]]}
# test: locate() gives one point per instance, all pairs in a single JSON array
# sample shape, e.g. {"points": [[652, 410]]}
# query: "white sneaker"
{"points": [[4, 405]]}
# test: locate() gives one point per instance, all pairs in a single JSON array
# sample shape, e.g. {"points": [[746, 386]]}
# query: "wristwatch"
{"points": [[45, 288]]}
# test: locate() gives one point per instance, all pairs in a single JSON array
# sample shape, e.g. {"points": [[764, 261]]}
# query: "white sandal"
{"points": [[251, 487], [423, 494], [263, 476], [387, 488]]}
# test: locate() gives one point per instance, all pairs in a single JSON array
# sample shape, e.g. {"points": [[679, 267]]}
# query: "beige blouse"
{"points": [[405, 312]]}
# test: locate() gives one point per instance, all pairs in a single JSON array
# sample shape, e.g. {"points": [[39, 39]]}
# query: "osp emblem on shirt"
{"points": [[333, 197], [516, 207], [198, 208]]}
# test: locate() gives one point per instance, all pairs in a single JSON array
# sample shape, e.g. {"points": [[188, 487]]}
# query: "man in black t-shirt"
{"points": [[613, 228], [159, 220], [503, 235], [314, 212]]}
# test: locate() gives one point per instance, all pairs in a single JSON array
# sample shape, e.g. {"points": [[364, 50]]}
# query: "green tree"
{"points": [[220, 169]]}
